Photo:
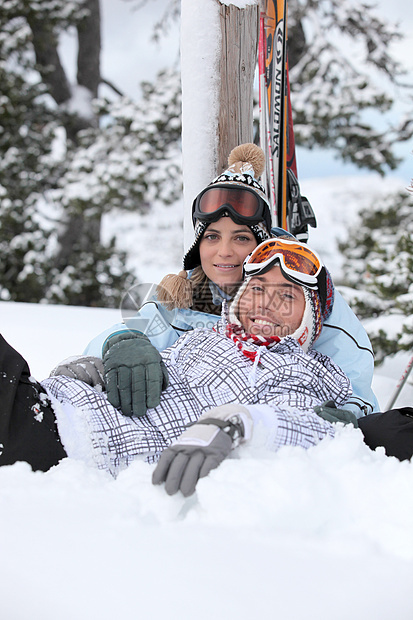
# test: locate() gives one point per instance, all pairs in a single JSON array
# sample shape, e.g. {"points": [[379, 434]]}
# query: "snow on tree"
{"points": [[345, 83], [131, 161], [27, 132], [342, 71], [132, 157], [379, 270], [67, 158]]}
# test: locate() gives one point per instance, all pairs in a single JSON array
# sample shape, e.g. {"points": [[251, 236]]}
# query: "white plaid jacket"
{"points": [[206, 369]]}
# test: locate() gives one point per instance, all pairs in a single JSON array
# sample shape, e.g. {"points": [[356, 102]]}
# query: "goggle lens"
{"points": [[242, 201], [296, 258]]}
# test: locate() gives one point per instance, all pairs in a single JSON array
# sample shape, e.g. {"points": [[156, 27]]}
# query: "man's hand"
{"points": [[328, 411], [84, 368], [202, 447], [135, 374]]}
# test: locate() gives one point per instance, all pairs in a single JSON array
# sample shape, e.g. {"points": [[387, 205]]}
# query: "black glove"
{"points": [[84, 368], [135, 374], [328, 411], [201, 448]]}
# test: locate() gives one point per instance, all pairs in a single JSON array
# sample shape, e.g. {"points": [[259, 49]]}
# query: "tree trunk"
{"points": [[47, 59], [240, 32], [77, 233], [88, 57]]}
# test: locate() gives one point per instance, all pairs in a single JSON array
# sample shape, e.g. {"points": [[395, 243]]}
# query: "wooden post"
{"points": [[238, 58], [217, 98]]}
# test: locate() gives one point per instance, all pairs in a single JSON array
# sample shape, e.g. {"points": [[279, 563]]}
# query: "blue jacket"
{"points": [[343, 338]]}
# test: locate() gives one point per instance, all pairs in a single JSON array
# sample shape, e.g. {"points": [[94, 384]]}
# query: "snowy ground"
{"points": [[324, 534]]}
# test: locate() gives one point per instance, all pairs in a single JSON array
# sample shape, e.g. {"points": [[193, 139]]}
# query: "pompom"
{"points": [[248, 154], [175, 291]]}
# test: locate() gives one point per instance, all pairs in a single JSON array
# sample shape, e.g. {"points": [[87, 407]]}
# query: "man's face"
{"points": [[271, 305]]}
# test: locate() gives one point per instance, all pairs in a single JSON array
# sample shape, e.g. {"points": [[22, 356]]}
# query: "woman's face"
{"points": [[271, 305], [223, 249]]}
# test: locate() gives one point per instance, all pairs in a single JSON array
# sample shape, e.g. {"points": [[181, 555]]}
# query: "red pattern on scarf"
{"points": [[243, 339]]}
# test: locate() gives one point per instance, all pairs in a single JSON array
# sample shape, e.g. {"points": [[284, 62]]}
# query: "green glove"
{"points": [[328, 411], [135, 374]]}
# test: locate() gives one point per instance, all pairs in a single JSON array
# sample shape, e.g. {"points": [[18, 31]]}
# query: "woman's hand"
{"points": [[134, 373]]}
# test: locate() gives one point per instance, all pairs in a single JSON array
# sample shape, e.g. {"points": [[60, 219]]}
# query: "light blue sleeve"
{"points": [[95, 346], [345, 340], [163, 327], [151, 319]]}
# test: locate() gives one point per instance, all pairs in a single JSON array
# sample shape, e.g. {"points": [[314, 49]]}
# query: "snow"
{"points": [[320, 534], [200, 47], [324, 533], [266, 537], [336, 203], [81, 102], [158, 232]]}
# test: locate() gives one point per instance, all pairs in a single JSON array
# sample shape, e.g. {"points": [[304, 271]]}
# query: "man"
{"points": [[256, 366]]}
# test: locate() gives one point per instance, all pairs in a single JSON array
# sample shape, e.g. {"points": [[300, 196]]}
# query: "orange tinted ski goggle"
{"points": [[296, 260]]}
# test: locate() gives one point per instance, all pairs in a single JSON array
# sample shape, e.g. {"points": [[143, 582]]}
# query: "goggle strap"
{"points": [[322, 288]]}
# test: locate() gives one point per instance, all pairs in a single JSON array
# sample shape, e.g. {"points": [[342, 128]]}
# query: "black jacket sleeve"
{"points": [[28, 430]]}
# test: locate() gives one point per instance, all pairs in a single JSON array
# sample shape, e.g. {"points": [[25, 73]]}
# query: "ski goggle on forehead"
{"points": [[243, 204], [297, 261]]}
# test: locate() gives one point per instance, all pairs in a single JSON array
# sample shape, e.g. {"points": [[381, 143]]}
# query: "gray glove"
{"points": [[135, 374], [328, 411], [84, 368], [202, 447]]}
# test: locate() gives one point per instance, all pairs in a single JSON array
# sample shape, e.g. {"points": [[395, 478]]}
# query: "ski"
{"points": [[290, 210], [275, 74], [265, 133]]}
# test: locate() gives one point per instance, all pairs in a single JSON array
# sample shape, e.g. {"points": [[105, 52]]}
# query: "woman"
{"points": [[231, 216]]}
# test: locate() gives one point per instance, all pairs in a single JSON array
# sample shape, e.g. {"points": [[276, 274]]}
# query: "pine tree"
{"points": [[128, 162], [132, 157], [342, 72], [379, 267], [64, 164], [27, 132]]}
